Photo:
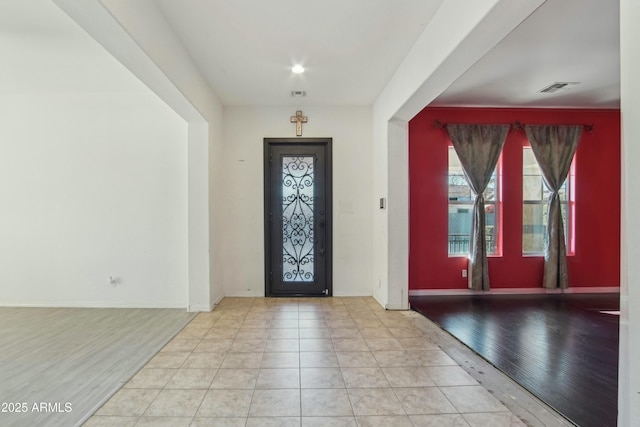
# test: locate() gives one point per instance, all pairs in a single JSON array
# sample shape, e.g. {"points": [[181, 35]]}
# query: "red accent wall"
{"points": [[596, 261]]}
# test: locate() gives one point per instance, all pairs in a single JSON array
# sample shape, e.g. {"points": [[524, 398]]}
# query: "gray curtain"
{"points": [[478, 147], [554, 147]]}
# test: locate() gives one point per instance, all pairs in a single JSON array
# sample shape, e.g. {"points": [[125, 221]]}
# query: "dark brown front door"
{"points": [[298, 216]]}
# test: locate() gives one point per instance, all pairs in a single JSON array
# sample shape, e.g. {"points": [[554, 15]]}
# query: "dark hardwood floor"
{"points": [[560, 347]]}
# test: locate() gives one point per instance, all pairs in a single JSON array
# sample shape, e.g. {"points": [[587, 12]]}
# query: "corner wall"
{"points": [[427, 70], [629, 371], [93, 185], [138, 35]]}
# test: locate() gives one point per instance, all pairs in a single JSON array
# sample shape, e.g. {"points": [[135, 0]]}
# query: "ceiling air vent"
{"points": [[557, 86], [298, 93]]}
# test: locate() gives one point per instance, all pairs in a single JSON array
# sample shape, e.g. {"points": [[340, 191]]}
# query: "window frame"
{"points": [[497, 208], [568, 204]]}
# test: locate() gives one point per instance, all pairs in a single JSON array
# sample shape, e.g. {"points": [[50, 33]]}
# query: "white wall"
{"points": [[242, 205], [92, 185], [398, 215], [380, 226], [629, 372]]}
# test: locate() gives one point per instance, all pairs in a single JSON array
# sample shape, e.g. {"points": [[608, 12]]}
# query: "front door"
{"points": [[298, 216]]}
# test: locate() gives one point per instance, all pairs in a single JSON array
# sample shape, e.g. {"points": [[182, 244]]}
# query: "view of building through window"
{"points": [[534, 210], [461, 209]]}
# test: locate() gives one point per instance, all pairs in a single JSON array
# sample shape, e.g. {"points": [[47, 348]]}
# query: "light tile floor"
{"points": [[302, 362]]}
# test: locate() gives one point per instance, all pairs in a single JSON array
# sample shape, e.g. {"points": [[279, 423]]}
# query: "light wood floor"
{"points": [[73, 359]]}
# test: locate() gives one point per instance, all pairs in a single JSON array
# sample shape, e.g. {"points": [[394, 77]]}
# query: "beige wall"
{"points": [[241, 189]]}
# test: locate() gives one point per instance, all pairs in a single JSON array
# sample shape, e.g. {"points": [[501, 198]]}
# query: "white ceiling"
{"points": [[563, 41], [42, 50], [245, 49], [351, 48]]}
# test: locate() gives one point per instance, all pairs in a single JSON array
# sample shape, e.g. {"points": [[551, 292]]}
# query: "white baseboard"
{"points": [[351, 294], [336, 294], [243, 295], [516, 291], [392, 307], [594, 290], [85, 304], [199, 308]]}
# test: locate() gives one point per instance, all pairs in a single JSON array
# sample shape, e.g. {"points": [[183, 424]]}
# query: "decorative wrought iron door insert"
{"points": [[298, 200], [297, 216]]}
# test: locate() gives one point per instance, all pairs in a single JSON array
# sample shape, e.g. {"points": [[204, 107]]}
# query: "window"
{"points": [[534, 210], [461, 209]]}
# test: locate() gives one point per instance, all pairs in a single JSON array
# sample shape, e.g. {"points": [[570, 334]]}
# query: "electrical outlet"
{"points": [[464, 272]]}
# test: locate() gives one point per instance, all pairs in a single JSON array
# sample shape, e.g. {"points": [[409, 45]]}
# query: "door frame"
{"points": [[326, 143]]}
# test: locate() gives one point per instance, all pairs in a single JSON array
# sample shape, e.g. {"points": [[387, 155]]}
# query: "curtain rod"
{"points": [[519, 126], [515, 125]]}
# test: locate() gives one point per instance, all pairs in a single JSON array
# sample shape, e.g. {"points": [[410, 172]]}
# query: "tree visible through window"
{"points": [[534, 209], [461, 209]]}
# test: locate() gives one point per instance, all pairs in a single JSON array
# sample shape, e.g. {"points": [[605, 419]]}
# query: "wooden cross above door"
{"points": [[298, 119]]}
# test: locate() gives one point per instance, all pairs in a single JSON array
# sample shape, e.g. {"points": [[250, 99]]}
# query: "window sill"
{"points": [[540, 254], [467, 255]]}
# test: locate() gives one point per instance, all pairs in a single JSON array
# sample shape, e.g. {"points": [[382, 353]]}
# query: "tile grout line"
{"points": [[299, 357]]}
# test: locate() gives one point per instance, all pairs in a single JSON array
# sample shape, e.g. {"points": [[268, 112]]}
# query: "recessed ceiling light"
{"points": [[298, 69]]}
